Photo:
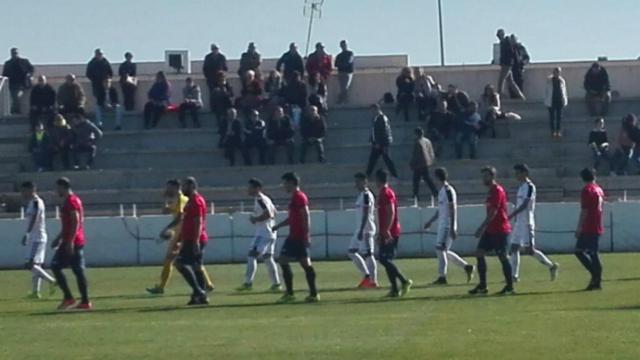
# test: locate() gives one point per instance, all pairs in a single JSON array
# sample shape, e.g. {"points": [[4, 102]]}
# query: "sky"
{"points": [[67, 31]]}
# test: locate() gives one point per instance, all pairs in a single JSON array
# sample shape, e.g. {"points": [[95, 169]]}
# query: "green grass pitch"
{"points": [[544, 321]]}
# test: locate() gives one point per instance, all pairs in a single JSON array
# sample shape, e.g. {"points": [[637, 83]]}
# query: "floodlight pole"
{"points": [[441, 33], [306, 51]]}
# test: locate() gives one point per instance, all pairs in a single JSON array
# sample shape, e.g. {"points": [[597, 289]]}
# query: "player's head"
{"points": [[63, 186], [488, 175], [382, 177], [172, 188], [27, 189], [189, 186], [521, 171], [441, 176], [418, 133], [361, 181], [588, 175], [290, 181], [255, 187]]}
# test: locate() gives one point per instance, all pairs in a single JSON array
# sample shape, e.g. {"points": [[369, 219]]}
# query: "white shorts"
{"points": [[443, 238], [523, 235], [364, 246], [36, 252], [263, 245]]}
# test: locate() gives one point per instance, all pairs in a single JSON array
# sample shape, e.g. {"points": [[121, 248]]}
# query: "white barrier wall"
{"points": [[132, 241]]}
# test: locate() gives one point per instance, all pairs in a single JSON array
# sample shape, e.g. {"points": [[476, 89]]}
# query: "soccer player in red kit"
{"points": [[194, 239], [296, 246], [493, 234], [590, 228], [69, 245]]}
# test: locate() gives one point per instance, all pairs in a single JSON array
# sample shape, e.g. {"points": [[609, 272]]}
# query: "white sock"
{"points": [[37, 269], [540, 256], [456, 259], [359, 262], [272, 269], [36, 281], [442, 263], [515, 264], [252, 266], [372, 266]]}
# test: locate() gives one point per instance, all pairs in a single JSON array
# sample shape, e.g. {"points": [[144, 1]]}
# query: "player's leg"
{"points": [[368, 251], [287, 274], [252, 265], [58, 263], [596, 265], [270, 264], [387, 254], [484, 245], [581, 252], [357, 259], [441, 254], [167, 266], [185, 264], [199, 272], [514, 258], [507, 271], [310, 274], [78, 266]]}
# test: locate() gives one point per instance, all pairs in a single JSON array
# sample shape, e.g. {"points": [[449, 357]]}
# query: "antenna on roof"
{"points": [[312, 8]]}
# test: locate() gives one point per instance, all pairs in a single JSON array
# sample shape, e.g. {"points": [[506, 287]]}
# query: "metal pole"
{"points": [[441, 33], [306, 51]]}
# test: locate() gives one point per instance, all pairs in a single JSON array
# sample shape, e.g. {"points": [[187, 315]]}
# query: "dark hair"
{"points": [[523, 168], [188, 79], [418, 131], [382, 176], [256, 183], [441, 174], [489, 170], [588, 174], [64, 182], [292, 178], [191, 181], [360, 176], [28, 185], [173, 182], [128, 54]]}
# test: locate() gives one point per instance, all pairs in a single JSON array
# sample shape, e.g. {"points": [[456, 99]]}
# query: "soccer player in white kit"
{"points": [[36, 239], [523, 235], [447, 216], [264, 242], [361, 248]]}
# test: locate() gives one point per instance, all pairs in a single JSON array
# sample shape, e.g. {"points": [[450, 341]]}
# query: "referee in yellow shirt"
{"points": [[175, 206]]}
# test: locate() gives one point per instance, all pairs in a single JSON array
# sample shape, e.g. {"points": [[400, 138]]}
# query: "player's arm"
{"points": [[387, 221], [453, 218], [32, 222], [306, 222], [266, 213], [197, 222], [432, 220], [283, 223], [581, 220], [176, 219], [366, 210], [520, 208], [69, 236], [491, 214]]}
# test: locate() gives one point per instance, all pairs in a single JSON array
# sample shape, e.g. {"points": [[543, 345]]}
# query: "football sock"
{"points": [[252, 265], [455, 259], [482, 271], [207, 277], [596, 266], [167, 269], [82, 283], [442, 263], [37, 269], [506, 270], [359, 262], [287, 275], [311, 280], [272, 269], [542, 258], [36, 281], [62, 283], [372, 266], [190, 278], [515, 263], [584, 260]]}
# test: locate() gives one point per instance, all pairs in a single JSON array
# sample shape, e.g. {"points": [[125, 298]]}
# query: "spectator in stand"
{"points": [[111, 104], [628, 142], [467, 127], [232, 141], [457, 100], [423, 92], [490, 110], [555, 99], [292, 62], [159, 95], [507, 59], [192, 103], [214, 63], [19, 71], [599, 145], [520, 60], [251, 92], [250, 60], [596, 83], [294, 94], [128, 81], [71, 98], [318, 62], [61, 138], [440, 124], [273, 88], [422, 158], [313, 129], [221, 100], [99, 70], [85, 136], [39, 148], [280, 133], [381, 140], [406, 85], [344, 64], [255, 137], [43, 103], [318, 97]]}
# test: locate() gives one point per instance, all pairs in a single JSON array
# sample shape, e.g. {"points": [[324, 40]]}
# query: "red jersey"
{"points": [[196, 208], [497, 201], [297, 222], [387, 197], [591, 202], [72, 204]]}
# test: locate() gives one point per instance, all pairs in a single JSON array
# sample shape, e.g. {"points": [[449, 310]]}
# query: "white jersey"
{"points": [[263, 228], [38, 232], [446, 196], [365, 199], [526, 191]]}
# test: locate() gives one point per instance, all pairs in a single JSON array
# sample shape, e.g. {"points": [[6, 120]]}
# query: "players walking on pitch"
{"points": [[361, 249]]}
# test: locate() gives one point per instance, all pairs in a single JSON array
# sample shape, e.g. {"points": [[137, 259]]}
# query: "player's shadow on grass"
{"points": [[622, 279]]}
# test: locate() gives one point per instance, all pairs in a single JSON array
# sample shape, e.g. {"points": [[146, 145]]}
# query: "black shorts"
{"points": [[187, 257], [62, 260], [295, 249], [387, 251], [493, 242], [588, 242]]}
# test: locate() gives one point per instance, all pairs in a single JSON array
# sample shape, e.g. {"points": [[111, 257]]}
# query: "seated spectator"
{"points": [[555, 99], [596, 83], [85, 138], [490, 110], [71, 98], [111, 104], [158, 95], [440, 124], [255, 137], [294, 94], [61, 138], [423, 92], [280, 133], [457, 100], [313, 129], [192, 103], [39, 147], [232, 140], [221, 98], [467, 127], [628, 141], [599, 144], [273, 88], [381, 139], [422, 158], [43, 103], [406, 86], [318, 97], [251, 92], [250, 60], [318, 62]]}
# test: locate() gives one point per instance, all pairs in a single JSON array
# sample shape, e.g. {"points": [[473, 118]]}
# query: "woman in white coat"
{"points": [[555, 99]]}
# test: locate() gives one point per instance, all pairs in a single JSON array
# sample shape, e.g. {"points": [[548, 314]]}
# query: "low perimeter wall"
{"points": [[115, 241]]}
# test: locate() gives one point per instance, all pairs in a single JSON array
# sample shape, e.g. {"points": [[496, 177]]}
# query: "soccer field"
{"points": [[544, 320]]}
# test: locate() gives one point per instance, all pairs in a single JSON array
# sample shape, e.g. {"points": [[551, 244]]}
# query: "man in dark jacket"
{"points": [[292, 62], [381, 140], [280, 133], [42, 102], [344, 63], [422, 158], [70, 97], [232, 140], [520, 60], [99, 70], [507, 58], [214, 63], [128, 82], [255, 137], [19, 71], [85, 137], [250, 60], [313, 129], [596, 83]]}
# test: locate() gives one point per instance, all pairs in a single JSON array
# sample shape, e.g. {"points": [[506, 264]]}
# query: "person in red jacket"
{"points": [[319, 62]]}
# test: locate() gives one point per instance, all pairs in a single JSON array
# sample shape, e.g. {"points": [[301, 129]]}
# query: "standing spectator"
{"points": [[294, 94], [318, 97], [555, 99], [39, 148], [214, 63], [192, 103], [255, 137], [250, 60], [273, 88], [251, 92], [627, 143], [344, 64], [423, 91], [520, 60], [158, 95], [128, 81], [221, 100], [422, 158], [43, 103], [313, 129], [292, 62], [111, 104], [85, 135], [280, 133], [19, 71], [381, 140], [406, 85], [467, 126], [61, 137], [507, 59], [440, 124], [596, 83], [98, 70], [599, 145], [232, 140], [71, 98], [318, 62]]}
